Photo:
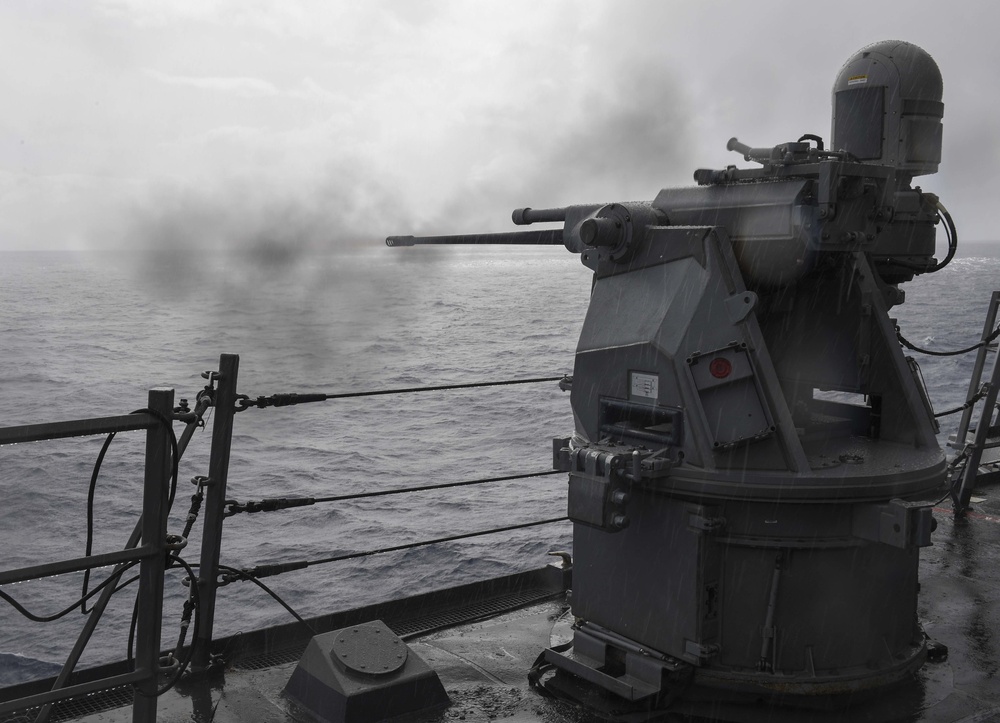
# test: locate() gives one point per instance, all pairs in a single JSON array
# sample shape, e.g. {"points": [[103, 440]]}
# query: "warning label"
{"points": [[645, 385]]}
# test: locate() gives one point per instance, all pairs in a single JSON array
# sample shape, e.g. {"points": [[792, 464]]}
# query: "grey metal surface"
{"points": [[483, 664], [724, 322], [254, 653], [149, 601], [888, 109], [370, 648], [362, 674], [215, 502]]}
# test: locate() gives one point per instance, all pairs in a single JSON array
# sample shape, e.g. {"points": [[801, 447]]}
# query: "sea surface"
{"points": [[87, 334]]}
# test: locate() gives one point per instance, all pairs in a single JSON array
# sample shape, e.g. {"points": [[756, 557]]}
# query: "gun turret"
{"points": [[748, 432]]}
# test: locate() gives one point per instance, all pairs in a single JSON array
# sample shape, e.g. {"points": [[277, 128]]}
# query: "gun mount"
{"points": [[749, 438]]}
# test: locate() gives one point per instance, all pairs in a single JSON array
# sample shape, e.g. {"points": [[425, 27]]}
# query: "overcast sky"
{"points": [[321, 124]]}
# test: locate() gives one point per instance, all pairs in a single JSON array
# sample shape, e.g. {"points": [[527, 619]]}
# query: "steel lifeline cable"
{"points": [[273, 504], [233, 507], [244, 402], [283, 567]]}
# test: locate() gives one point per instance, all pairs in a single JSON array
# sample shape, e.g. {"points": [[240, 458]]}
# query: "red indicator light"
{"points": [[720, 368]]}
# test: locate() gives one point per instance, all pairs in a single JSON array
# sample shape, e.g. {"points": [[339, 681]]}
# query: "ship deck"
{"points": [[483, 638]]}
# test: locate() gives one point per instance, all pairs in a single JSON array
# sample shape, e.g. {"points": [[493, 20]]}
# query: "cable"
{"points": [[361, 495], [90, 517], [273, 504], [949, 493], [244, 402], [175, 457], [113, 577], [196, 499], [912, 347], [247, 576], [956, 471], [191, 606], [195, 597], [267, 570], [129, 656], [452, 538], [166, 422], [969, 402], [950, 231]]}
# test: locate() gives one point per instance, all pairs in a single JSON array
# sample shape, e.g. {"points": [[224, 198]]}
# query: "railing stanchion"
{"points": [[154, 534], [215, 498], [977, 372]]}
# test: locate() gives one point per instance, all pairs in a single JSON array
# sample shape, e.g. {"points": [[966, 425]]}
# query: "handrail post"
{"points": [[151, 570], [977, 371], [215, 499], [968, 479]]}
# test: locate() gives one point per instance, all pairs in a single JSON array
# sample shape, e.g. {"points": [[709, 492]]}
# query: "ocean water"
{"points": [[88, 334]]}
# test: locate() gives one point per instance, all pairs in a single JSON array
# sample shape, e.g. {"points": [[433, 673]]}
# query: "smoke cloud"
{"points": [[558, 127], [271, 130]]}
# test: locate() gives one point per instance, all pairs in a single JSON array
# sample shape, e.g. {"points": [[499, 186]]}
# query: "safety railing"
{"points": [[154, 550], [147, 548], [218, 507], [988, 393], [964, 467]]}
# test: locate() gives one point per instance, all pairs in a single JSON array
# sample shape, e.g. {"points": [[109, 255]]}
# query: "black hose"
{"points": [[250, 578], [950, 231], [113, 577], [909, 345], [90, 517]]}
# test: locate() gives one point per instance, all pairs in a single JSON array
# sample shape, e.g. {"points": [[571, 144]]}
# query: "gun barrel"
{"points": [[548, 237], [527, 216]]}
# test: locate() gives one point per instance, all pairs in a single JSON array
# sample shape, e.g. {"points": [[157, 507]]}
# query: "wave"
{"points": [[16, 669]]}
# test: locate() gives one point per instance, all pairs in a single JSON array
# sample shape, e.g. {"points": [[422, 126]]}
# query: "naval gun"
{"points": [[751, 447]]}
